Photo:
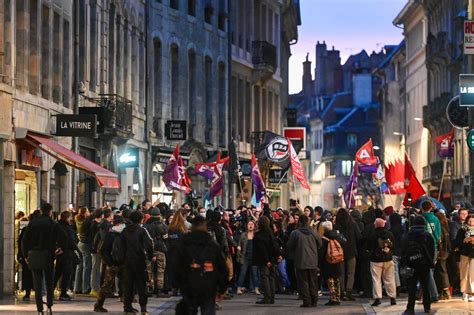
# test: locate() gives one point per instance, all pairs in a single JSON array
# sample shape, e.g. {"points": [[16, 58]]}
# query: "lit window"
{"points": [[352, 140], [347, 167]]}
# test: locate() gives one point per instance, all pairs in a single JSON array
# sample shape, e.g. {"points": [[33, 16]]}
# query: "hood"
{"points": [[105, 225], [417, 229], [356, 215], [197, 238], [153, 220], [305, 230]]}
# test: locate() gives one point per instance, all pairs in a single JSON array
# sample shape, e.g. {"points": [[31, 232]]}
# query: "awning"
{"points": [[105, 178]]}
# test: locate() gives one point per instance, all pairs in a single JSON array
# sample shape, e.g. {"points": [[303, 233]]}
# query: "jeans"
{"points": [[107, 287], [348, 268], [308, 285], [290, 271], [38, 277], [96, 272], [432, 286], [267, 282], [64, 269], [253, 275], [83, 270], [283, 275], [396, 263], [422, 275]]}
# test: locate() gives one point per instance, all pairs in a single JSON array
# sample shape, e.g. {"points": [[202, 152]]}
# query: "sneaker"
{"points": [[100, 309], [376, 302], [409, 312], [257, 291], [263, 301], [65, 298], [471, 298], [465, 297], [144, 313], [239, 291], [93, 293], [393, 301]]}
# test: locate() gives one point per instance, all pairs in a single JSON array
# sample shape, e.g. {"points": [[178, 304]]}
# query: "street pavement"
{"points": [[244, 304]]}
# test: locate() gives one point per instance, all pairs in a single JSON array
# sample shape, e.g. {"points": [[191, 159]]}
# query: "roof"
{"points": [[336, 100], [349, 115], [357, 58], [406, 10], [391, 55]]}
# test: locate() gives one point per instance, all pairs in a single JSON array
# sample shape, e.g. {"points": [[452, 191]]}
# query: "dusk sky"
{"points": [[348, 25]]}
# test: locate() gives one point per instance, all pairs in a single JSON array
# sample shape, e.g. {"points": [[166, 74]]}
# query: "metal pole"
{"points": [[75, 142], [445, 162]]}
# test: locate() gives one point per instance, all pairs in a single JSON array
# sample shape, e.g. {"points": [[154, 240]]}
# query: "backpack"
{"points": [[202, 275], [118, 250], [334, 253], [384, 247], [415, 255], [98, 242]]}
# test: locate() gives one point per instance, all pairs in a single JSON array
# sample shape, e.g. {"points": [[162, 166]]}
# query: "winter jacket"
{"points": [[433, 227], [188, 253], [305, 244], [465, 249], [353, 235], [82, 228], [330, 270], [69, 242], [397, 230], [138, 246], [99, 231], [419, 234], [158, 232], [265, 248], [373, 247], [42, 234], [106, 250], [218, 233], [241, 255]]}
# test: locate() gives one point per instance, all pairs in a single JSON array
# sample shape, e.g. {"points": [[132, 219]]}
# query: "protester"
{"points": [[265, 257], [418, 254], [138, 247], [397, 231], [83, 270], [305, 244], [434, 228], [113, 256], [97, 217], [441, 268], [465, 245], [176, 229], [381, 263], [245, 250], [41, 242]]}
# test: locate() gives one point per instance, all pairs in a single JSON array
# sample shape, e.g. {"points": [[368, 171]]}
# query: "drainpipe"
{"points": [[231, 190], [149, 156], [75, 140]]}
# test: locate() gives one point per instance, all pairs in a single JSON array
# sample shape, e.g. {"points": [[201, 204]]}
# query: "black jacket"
{"points": [[327, 269], [106, 250], [265, 248], [305, 244], [352, 235], [465, 249], [69, 242], [220, 236], [187, 252], [158, 232], [419, 234], [373, 245], [42, 234], [138, 246]]}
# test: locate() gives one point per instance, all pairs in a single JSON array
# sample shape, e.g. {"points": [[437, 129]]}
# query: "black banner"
{"points": [[76, 126], [175, 130], [277, 176]]}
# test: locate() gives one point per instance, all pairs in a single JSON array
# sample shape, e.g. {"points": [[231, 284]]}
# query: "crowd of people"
{"points": [[208, 255]]}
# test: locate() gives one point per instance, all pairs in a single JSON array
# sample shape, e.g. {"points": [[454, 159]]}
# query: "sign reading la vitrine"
{"points": [[76, 126]]}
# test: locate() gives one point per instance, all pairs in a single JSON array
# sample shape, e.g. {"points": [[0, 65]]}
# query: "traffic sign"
{"points": [[470, 140]]}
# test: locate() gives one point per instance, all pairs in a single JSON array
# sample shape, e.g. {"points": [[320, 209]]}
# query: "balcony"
{"points": [[434, 171], [264, 59], [114, 115]]}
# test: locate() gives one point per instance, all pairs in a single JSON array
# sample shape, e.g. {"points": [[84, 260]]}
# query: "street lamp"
{"points": [[402, 142], [376, 147]]}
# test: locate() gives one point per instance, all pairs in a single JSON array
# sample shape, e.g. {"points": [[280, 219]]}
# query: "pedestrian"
{"points": [[346, 225], [265, 256], [381, 263], [138, 248], [418, 255], [159, 233], [434, 228], [245, 250], [441, 268], [98, 217], [465, 245], [397, 231], [68, 259], [305, 244], [83, 270], [331, 270], [113, 257], [176, 229], [41, 242], [368, 219]]}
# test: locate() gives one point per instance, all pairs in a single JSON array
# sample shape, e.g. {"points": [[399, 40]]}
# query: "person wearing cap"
{"points": [[156, 269], [381, 262], [112, 267]]}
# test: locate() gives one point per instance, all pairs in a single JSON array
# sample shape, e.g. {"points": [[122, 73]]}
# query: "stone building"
{"points": [[262, 32]]}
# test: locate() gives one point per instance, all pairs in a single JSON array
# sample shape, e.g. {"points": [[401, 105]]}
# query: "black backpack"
{"points": [[118, 250], [202, 276], [415, 255]]}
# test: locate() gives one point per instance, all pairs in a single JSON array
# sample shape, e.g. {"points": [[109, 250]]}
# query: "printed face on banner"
{"points": [[277, 150]]}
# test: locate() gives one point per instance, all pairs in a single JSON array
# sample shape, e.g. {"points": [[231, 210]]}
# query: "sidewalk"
{"points": [[452, 307]]}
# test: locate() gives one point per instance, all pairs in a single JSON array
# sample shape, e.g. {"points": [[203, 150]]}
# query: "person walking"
{"points": [[305, 244], [441, 268], [200, 271], [41, 241], [397, 231], [465, 246], [83, 270], [113, 257], [245, 250], [68, 259], [95, 236], [418, 254], [381, 263], [265, 257], [346, 225], [138, 247]]}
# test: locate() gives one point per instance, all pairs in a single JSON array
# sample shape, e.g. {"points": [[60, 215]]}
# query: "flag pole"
{"points": [[279, 183], [294, 185], [442, 178], [350, 196]]}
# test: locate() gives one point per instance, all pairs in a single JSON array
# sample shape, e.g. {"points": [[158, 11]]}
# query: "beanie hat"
{"points": [[379, 223], [388, 210]]}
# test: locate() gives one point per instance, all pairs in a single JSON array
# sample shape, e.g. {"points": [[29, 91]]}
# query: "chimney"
{"points": [[307, 80], [361, 88]]}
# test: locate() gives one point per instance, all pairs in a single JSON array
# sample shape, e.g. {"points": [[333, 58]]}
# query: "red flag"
{"points": [[409, 170], [296, 167], [415, 189], [175, 175], [366, 158], [445, 144], [395, 176]]}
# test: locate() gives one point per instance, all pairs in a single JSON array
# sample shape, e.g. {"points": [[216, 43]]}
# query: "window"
{"points": [[157, 79], [209, 100], [174, 4], [330, 168], [222, 105], [208, 11], [192, 91], [352, 140], [45, 54], [66, 60], [192, 7], [347, 167], [175, 82]]}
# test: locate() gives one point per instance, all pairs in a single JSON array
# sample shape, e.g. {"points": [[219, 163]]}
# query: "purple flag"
{"points": [[351, 188], [213, 172], [205, 170], [174, 175], [257, 180]]}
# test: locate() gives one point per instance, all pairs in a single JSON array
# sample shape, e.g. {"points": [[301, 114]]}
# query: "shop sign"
{"points": [[470, 140], [175, 130], [466, 89], [469, 37], [276, 176], [76, 126], [297, 135], [129, 158]]}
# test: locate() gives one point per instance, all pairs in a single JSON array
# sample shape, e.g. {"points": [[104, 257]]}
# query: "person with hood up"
{"points": [[418, 254], [381, 263], [465, 245], [305, 244]]}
